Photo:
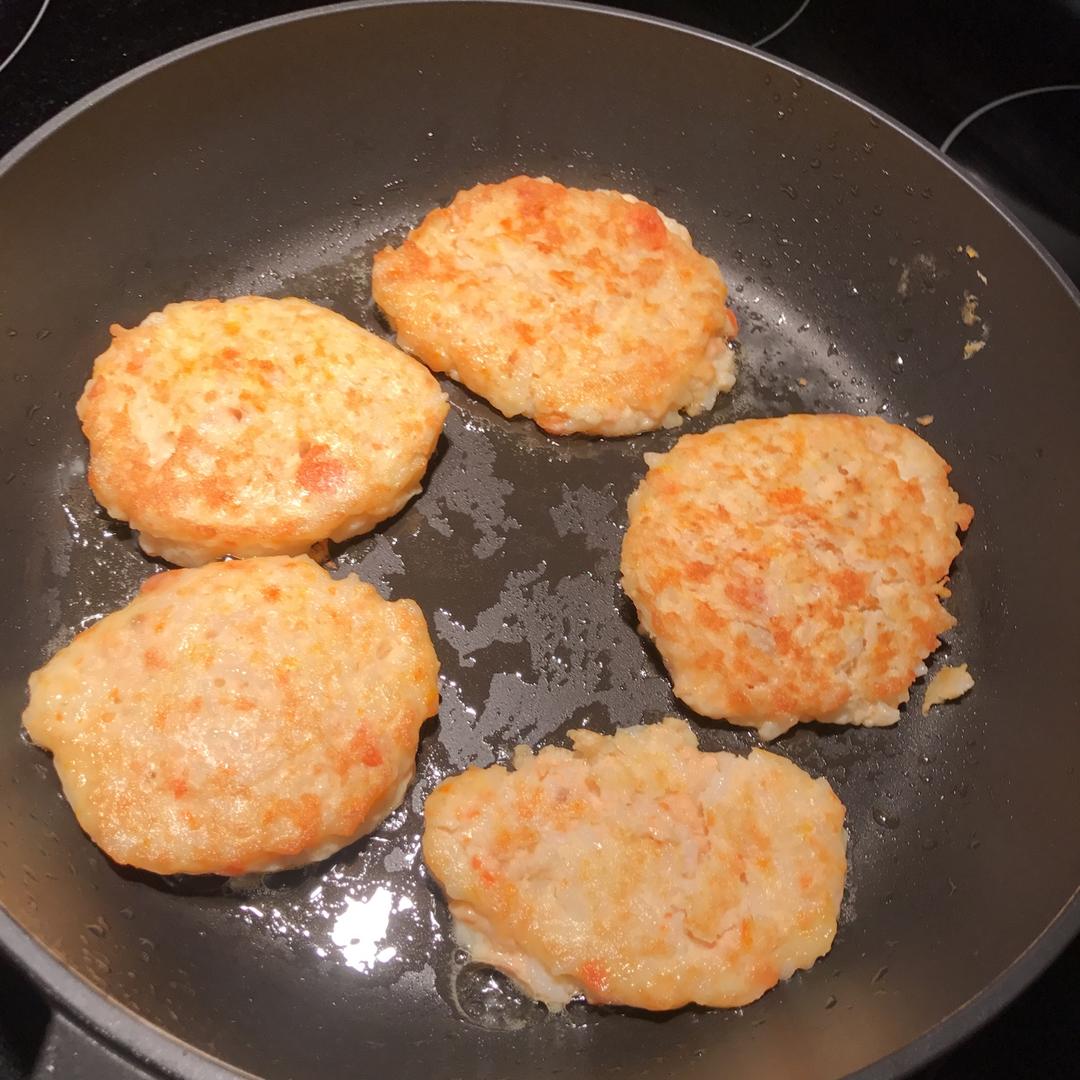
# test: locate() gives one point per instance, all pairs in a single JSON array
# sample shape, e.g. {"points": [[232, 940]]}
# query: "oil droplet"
{"points": [[886, 817], [579, 1013], [491, 1000]]}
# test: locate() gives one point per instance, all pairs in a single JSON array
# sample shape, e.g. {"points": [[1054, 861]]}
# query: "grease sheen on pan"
{"points": [[588, 311], [255, 426], [637, 870], [794, 569], [245, 716]]}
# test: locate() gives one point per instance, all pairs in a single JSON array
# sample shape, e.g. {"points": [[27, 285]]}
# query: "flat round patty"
{"points": [[245, 716], [793, 569], [638, 870], [588, 311], [255, 427]]}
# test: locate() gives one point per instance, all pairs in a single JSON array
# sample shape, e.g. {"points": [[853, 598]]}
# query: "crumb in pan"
{"points": [[947, 685]]}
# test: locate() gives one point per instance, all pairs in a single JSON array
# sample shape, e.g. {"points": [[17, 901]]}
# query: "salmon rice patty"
{"points": [[245, 716], [793, 569], [637, 870], [255, 427], [588, 311]]}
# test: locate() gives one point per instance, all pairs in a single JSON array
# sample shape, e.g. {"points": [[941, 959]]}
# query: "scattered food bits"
{"points": [[947, 685], [320, 552], [802, 382], [925, 420], [982, 277], [968, 314], [972, 347]]}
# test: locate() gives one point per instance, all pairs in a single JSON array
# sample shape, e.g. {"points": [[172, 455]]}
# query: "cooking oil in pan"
{"points": [[512, 551], [489, 999]]}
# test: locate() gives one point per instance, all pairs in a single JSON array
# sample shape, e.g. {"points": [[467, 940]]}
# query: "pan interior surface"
{"points": [[844, 243]]}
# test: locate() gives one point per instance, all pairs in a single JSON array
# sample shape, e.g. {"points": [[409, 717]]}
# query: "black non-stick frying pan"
{"points": [[277, 160]]}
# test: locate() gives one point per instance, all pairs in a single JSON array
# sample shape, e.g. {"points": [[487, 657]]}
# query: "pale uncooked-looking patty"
{"points": [[255, 427], [588, 311], [245, 716], [793, 569], [638, 870]]}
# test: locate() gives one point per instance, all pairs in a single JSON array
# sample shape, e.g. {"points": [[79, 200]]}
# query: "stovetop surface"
{"points": [[996, 86]]}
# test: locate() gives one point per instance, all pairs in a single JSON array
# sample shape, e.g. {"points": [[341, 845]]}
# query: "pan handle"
{"points": [[71, 1053]]}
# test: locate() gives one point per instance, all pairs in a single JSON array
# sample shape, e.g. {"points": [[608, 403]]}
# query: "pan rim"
{"points": [[29, 142], [138, 1038]]}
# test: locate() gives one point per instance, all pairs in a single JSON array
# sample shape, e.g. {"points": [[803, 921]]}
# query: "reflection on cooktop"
{"points": [[20, 19], [1026, 149], [994, 85], [931, 65], [754, 24]]}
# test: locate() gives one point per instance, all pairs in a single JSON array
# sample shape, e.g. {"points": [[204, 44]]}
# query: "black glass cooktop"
{"points": [[996, 86]]}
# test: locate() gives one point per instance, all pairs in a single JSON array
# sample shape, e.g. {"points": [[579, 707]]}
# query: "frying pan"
{"points": [[277, 159]]}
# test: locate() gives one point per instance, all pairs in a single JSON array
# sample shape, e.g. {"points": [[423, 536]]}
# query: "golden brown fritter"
{"points": [[588, 311], [255, 427], [246, 716], [638, 870], [793, 569]]}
